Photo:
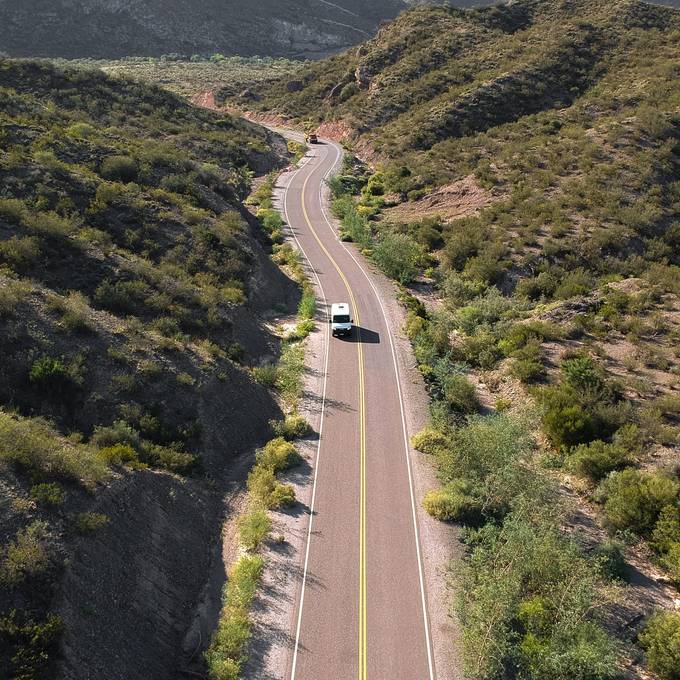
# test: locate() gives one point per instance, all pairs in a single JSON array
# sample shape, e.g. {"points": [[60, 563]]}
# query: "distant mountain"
{"points": [[115, 28]]}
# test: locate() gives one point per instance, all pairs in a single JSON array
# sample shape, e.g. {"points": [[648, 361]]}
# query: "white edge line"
{"points": [[323, 407], [403, 425]]}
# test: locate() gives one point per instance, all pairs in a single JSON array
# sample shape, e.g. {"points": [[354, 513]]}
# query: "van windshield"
{"points": [[341, 318]]}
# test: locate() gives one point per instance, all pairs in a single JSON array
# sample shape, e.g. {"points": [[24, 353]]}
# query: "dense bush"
{"points": [[119, 168], [228, 649], [27, 555], [455, 501], [34, 444], [525, 602], [460, 394], [661, 641], [278, 455], [292, 427], [582, 406], [634, 500], [253, 527], [48, 493], [597, 459], [398, 256]]}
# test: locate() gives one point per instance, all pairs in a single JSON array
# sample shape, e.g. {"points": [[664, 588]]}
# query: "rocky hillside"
{"points": [[133, 292], [100, 28]]}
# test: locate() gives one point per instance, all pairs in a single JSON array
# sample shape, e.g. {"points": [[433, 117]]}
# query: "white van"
{"points": [[341, 322]]}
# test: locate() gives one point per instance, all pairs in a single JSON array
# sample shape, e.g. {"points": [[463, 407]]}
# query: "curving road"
{"points": [[361, 607]]}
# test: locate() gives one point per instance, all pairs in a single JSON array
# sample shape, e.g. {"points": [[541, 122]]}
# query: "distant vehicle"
{"points": [[312, 138], [341, 321]]}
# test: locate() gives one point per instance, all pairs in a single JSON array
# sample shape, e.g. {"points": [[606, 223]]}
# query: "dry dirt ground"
{"points": [[458, 199]]}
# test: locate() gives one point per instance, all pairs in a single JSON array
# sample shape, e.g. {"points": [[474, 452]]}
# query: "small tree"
{"points": [[398, 256]]}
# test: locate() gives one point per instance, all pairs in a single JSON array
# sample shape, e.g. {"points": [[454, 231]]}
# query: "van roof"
{"points": [[339, 308]]}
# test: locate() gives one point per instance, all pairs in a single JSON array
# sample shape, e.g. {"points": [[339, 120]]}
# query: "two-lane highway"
{"points": [[361, 609]]}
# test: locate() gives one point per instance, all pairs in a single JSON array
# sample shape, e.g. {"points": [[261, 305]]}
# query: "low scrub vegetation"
{"points": [[528, 598], [227, 650]]}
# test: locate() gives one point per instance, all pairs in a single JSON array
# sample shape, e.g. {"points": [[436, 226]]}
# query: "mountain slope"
{"points": [[132, 288], [98, 28]]}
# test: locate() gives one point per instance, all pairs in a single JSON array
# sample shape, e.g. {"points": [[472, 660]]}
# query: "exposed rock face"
{"points": [[114, 28]]}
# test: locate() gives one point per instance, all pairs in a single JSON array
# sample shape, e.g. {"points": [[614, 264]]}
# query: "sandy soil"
{"points": [[458, 199]]}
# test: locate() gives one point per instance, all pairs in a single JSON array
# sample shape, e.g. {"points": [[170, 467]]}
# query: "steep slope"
{"points": [[132, 291], [98, 28]]}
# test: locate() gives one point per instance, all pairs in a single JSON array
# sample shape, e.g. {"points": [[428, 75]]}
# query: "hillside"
{"points": [[98, 28], [134, 289], [516, 169]]}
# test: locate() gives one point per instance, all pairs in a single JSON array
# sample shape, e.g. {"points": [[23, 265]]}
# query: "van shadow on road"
{"points": [[363, 335]]}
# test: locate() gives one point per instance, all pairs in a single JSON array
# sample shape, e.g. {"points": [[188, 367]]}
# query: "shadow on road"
{"points": [[363, 335]]}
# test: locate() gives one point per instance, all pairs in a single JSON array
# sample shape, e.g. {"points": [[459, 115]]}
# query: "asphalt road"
{"points": [[361, 609]]}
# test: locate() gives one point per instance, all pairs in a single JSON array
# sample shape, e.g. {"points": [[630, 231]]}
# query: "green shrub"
{"points": [[26, 555], [52, 375], [261, 484], [671, 561], [13, 210], [81, 131], [398, 256], [33, 444], [597, 459], [527, 369], [610, 558], [12, 294], [634, 500], [290, 371], [266, 374], [86, 522], [527, 597], [119, 454], [253, 527], [20, 251], [301, 331], [50, 224], [277, 455], [228, 648], [282, 496], [292, 427], [74, 310], [307, 306], [491, 452], [661, 641], [30, 644], [461, 394], [667, 529], [430, 441], [119, 168], [108, 437], [453, 502], [565, 421], [48, 493]]}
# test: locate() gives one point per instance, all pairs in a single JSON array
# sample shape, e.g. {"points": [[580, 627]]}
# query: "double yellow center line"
{"points": [[362, 446]]}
